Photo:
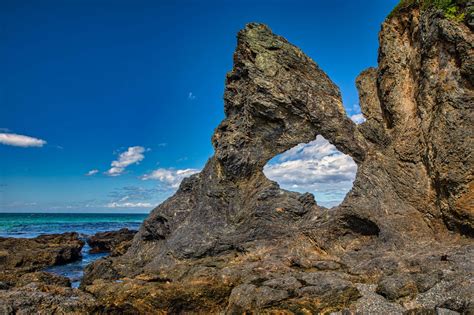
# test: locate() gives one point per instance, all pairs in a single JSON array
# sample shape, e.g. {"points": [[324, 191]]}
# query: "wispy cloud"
{"points": [[191, 96], [129, 205], [358, 118], [134, 193], [169, 177], [92, 172], [133, 155], [136, 197], [354, 109], [20, 140], [316, 167]]}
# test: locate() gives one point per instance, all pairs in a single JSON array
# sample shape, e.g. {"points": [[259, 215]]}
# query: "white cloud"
{"points": [[170, 177], [132, 156], [358, 118], [191, 96], [92, 172], [355, 108], [129, 205], [20, 140], [316, 167]]}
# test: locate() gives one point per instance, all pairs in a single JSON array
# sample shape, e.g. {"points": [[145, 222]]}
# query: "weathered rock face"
{"points": [[38, 298], [115, 242], [419, 109], [21, 255], [26, 290], [230, 240]]}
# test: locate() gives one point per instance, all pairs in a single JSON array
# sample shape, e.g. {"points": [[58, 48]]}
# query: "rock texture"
{"points": [[19, 256], [38, 298], [24, 289], [115, 242], [231, 241]]}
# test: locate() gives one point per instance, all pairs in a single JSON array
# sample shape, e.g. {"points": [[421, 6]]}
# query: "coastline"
{"points": [[21, 226]]}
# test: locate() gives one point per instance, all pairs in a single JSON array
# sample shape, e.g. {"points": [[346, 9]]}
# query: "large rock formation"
{"points": [[232, 241]]}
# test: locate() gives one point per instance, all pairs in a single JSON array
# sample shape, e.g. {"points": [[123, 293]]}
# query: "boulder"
{"points": [[19, 256], [115, 242]]}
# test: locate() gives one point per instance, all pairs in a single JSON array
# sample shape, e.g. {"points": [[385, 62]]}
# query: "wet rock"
{"points": [[102, 267], [40, 252], [20, 255], [116, 242]]}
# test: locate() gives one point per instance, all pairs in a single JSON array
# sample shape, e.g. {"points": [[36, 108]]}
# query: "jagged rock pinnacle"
{"points": [[230, 240]]}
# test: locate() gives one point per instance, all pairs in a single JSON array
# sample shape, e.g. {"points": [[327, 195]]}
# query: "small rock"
{"points": [[284, 283], [44, 278], [396, 286]]}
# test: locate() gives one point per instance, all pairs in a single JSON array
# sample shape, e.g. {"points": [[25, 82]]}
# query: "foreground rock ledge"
{"points": [[20, 256], [231, 241]]}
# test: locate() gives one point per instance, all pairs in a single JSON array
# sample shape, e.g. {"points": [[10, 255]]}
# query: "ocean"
{"points": [[30, 225]]}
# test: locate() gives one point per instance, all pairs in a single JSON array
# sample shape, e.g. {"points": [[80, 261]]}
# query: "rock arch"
{"points": [[316, 167], [229, 228]]}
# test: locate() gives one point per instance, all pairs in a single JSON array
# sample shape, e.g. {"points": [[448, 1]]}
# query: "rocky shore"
{"points": [[114, 242], [22, 258], [230, 241], [27, 289]]}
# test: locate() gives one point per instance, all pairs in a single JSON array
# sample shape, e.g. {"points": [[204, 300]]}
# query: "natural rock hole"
{"points": [[316, 167]]}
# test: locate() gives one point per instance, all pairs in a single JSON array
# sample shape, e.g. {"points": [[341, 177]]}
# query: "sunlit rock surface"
{"points": [[230, 240]]}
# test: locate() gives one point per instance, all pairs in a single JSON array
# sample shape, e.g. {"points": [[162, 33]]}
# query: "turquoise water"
{"points": [[34, 224], [27, 225]]}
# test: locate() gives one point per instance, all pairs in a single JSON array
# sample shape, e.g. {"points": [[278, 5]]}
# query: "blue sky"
{"points": [[140, 84]]}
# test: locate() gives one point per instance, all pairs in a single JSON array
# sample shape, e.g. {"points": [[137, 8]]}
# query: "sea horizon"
{"points": [[33, 224]]}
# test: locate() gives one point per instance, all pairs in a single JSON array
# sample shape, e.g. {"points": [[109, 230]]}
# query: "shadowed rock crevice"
{"points": [[360, 225]]}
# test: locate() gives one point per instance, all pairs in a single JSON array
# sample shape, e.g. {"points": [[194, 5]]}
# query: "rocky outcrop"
{"points": [[418, 104], [115, 242], [36, 298], [19, 256], [24, 289], [231, 241]]}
